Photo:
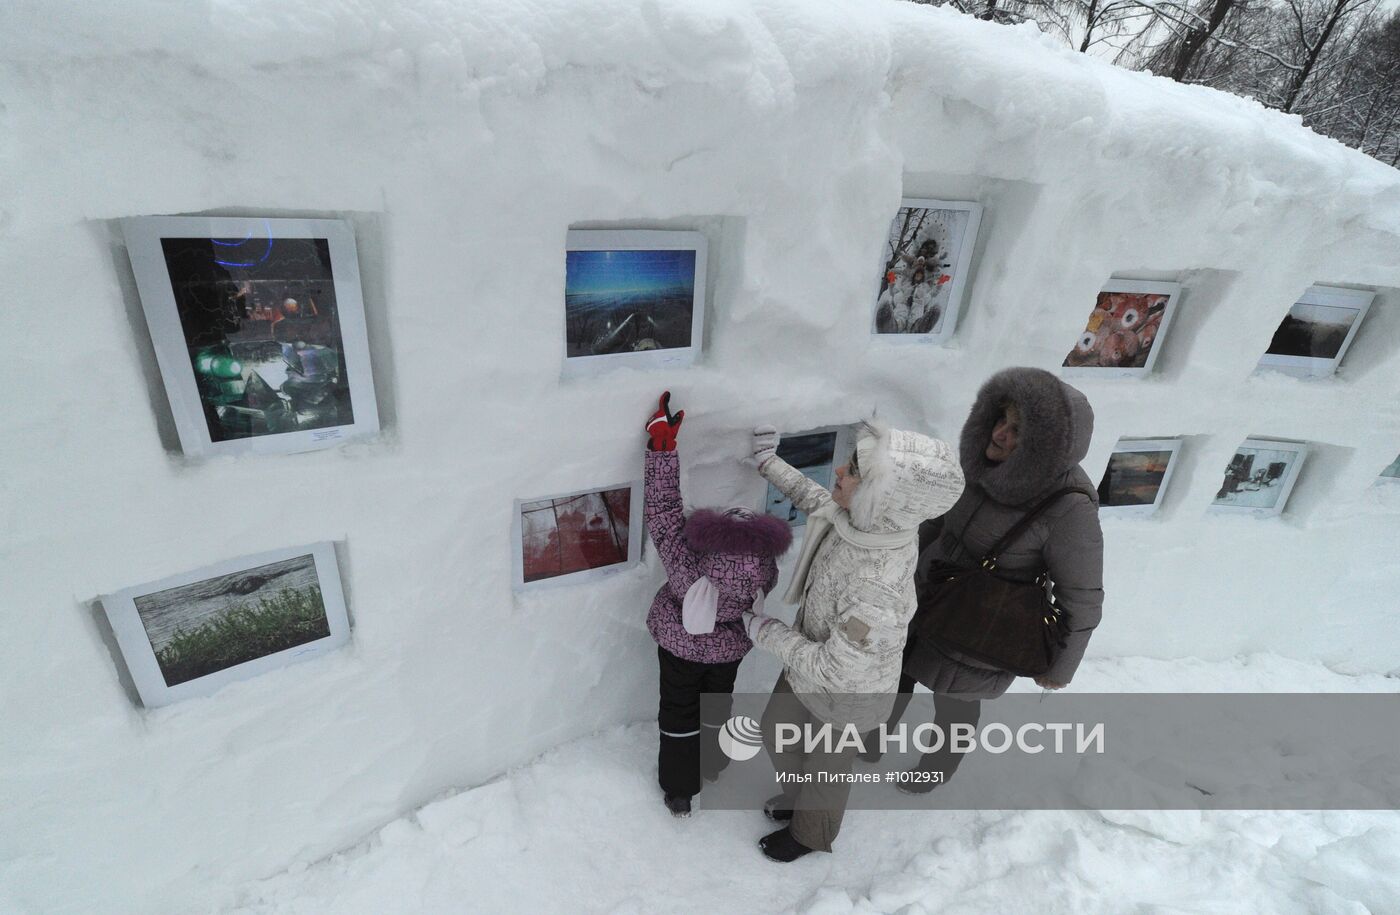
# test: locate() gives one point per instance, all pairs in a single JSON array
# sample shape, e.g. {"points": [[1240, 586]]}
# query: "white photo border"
{"points": [[845, 444], [635, 523], [1172, 290], [143, 236], [1358, 300], [1126, 445], [1290, 477], [641, 240], [961, 270], [1388, 480], [140, 657]]}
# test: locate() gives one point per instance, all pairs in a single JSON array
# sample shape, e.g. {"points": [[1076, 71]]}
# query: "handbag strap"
{"points": [[989, 561]]}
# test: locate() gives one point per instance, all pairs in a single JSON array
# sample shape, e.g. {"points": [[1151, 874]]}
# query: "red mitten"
{"points": [[663, 426]]}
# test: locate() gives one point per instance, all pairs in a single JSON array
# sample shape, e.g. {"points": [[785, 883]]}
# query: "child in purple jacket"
{"points": [[717, 565]]}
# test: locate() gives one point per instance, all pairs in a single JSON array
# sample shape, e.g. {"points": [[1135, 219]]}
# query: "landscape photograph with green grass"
{"points": [[210, 625]]}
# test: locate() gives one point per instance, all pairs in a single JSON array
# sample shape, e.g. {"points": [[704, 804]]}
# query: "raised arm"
{"points": [[665, 518], [805, 495]]}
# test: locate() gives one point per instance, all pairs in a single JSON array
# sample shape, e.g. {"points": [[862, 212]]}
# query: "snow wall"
{"points": [[462, 140]]}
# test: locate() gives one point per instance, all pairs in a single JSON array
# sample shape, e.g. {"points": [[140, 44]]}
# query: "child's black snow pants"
{"points": [[683, 734]]}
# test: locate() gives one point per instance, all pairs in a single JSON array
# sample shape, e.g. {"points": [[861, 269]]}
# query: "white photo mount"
{"points": [[1246, 477], [842, 446], [140, 655], [1319, 302], [1172, 292], [635, 533], [1170, 446], [144, 236], [1390, 474], [961, 266], [631, 241]]}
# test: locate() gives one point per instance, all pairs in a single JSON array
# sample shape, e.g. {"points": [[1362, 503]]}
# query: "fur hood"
{"points": [[1056, 425], [710, 531], [905, 479]]}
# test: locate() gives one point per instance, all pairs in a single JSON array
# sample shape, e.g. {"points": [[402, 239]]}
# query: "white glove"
{"points": [[765, 445], [753, 622]]}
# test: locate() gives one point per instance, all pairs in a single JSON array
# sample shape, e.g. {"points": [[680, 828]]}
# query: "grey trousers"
{"points": [[817, 806]]}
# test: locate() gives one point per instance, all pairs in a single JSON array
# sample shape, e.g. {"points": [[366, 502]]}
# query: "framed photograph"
{"points": [[1317, 331], [1391, 474], [190, 634], [927, 258], [576, 537], [1125, 330], [259, 330], [633, 298], [1260, 477], [817, 454], [1137, 476]]}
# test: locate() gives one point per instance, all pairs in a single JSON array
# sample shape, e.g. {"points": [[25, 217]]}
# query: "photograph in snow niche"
{"points": [[189, 634], [273, 355], [1137, 476], [926, 260], [577, 536], [1124, 330], [1260, 476], [816, 454], [634, 297], [1316, 332]]}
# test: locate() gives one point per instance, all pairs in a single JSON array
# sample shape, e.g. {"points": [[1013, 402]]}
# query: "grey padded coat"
{"points": [[1056, 424], [842, 655]]}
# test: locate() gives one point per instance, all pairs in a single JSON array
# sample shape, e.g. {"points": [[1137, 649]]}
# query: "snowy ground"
{"points": [[582, 829]]}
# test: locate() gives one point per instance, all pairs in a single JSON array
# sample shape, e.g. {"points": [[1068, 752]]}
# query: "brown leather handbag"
{"points": [[1008, 623]]}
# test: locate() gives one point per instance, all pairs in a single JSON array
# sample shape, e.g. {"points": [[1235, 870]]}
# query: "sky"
{"points": [[592, 272]]}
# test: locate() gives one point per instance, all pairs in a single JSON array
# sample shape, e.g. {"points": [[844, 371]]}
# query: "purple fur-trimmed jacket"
{"points": [[737, 552]]}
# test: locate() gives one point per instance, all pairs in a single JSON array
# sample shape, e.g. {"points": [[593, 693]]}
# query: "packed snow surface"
{"points": [[582, 829], [462, 140]]}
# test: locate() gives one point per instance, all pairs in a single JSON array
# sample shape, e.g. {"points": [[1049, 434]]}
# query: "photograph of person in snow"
{"points": [[1022, 441], [854, 583], [920, 254], [628, 301], [718, 565]]}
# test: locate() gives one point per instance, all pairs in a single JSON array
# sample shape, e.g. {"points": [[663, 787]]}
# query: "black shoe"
{"points": [[678, 804], [782, 847], [777, 809]]}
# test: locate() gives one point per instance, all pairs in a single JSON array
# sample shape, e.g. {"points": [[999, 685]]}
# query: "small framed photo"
{"points": [[1137, 476], [259, 330], [633, 298], [1317, 331], [927, 259], [576, 537], [190, 634], [1391, 474], [817, 454], [1125, 330], [1260, 477]]}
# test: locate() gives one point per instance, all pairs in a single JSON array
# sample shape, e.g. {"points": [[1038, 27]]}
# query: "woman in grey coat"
{"points": [[1023, 440]]}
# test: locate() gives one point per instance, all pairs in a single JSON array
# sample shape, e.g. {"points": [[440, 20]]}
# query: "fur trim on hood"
{"points": [[905, 479], [1056, 425], [710, 531]]}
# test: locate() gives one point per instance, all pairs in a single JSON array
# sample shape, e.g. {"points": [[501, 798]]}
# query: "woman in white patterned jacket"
{"points": [[854, 579]]}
